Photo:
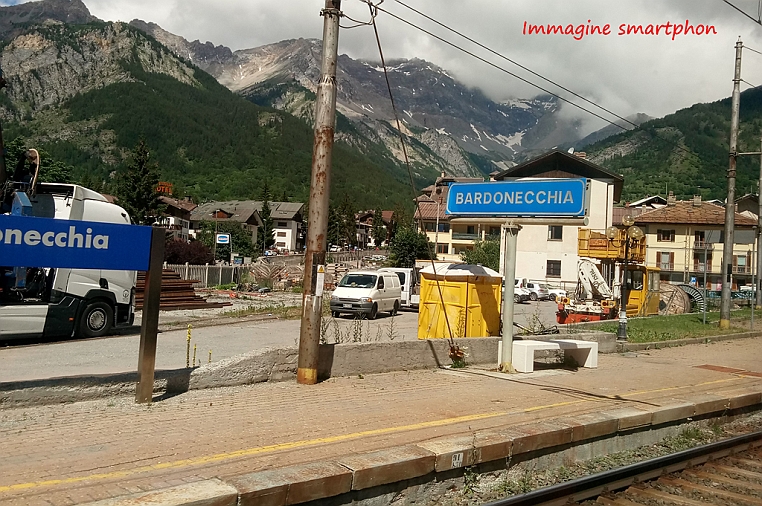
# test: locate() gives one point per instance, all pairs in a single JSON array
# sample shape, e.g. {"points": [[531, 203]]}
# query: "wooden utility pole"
{"points": [[758, 291], [320, 190], [727, 246]]}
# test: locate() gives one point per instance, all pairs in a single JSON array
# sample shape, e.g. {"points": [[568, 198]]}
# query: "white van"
{"points": [[366, 293], [409, 285]]}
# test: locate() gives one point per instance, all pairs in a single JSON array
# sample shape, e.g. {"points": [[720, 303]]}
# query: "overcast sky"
{"points": [[627, 74]]}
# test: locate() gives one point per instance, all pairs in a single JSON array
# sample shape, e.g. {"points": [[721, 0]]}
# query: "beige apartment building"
{"points": [[684, 239]]}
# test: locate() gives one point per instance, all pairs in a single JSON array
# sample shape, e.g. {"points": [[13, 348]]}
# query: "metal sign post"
{"points": [[47, 242], [512, 203]]}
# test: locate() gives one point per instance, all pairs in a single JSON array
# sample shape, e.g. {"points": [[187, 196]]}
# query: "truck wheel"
{"points": [[373, 312], [96, 320], [533, 296], [517, 299]]}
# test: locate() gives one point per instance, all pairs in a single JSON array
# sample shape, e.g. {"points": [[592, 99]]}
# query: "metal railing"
{"points": [[464, 236], [709, 246], [667, 266], [699, 267], [208, 276], [741, 269]]}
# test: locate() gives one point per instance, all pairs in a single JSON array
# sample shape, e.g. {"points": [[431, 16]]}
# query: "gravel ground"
{"points": [[239, 302], [522, 478]]}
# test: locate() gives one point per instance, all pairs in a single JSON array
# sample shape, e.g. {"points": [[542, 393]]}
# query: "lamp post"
{"points": [[632, 233]]}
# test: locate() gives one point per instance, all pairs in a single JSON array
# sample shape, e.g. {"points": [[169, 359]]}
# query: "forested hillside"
{"points": [[686, 152], [208, 141]]}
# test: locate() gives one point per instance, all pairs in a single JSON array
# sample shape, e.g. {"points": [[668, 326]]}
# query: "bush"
{"points": [[177, 251]]}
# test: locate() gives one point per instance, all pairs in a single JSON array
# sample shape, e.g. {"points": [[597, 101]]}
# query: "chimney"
{"points": [[671, 200], [697, 201]]}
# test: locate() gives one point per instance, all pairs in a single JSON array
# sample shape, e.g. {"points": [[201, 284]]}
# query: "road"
{"points": [[119, 354]]}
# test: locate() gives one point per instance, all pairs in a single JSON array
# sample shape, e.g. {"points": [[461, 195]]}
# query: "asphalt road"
{"points": [[119, 354]]}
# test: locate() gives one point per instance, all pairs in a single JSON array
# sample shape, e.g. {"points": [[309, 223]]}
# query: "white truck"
{"points": [[41, 302], [409, 284]]}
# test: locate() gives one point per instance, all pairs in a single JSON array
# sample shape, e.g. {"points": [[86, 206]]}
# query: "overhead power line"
{"points": [[651, 132], [758, 21]]}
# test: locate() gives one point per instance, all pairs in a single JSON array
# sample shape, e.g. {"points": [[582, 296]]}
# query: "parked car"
{"points": [[537, 291], [334, 249], [555, 293], [520, 294]]}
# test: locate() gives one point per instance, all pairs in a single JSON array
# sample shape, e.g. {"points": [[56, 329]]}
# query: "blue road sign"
{"points": [[529, 198], [26, 241], [223, 238]]}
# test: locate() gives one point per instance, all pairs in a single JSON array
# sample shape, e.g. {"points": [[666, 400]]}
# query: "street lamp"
{"points": [[632, 233]]}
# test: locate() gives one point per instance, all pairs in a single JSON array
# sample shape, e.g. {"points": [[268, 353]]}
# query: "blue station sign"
{"points": [[525, 198], [27, 241]]}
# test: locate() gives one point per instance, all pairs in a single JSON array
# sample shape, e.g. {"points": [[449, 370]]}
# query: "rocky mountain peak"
{"points": [[17, 17]]}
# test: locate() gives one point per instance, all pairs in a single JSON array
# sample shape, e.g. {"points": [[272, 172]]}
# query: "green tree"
{"points": [[378, 230], [266, 234], [408, 246], [486, 253], [240, 239], [51, 170], [136, 187]]}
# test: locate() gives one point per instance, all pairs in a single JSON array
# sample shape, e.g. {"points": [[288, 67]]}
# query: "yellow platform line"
{"points": [[209, 459]]}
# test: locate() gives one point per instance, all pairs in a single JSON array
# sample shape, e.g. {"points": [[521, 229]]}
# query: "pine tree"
{"points": [[266, 234], [378, 230], [136, 187]]}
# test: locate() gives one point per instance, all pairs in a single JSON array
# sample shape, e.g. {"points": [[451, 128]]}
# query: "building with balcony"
{"points": [[544, 252], [176, 217], [288, 226], [685, 240]]}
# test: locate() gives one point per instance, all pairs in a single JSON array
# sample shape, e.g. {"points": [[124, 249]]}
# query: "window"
{"points": [[471, 229], [281, 234], [494, 231], [282, 224], [280, 244], [380, 282], [429, 226], [553, 268], [739, 264], [666, 260], [444, 227], [555, 233], [443, 248], [634, 280], [665, 235]]}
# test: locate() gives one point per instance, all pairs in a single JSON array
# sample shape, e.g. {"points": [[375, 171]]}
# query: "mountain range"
{"points": [[221, 123]]}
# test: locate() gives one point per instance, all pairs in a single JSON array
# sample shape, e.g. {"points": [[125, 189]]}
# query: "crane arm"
{"points": [[592, 281]]}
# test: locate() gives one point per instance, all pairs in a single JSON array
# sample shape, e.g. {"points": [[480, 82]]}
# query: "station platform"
{"points": [[284, 443]]}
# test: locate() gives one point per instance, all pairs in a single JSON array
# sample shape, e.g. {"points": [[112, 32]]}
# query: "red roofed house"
{"points": [[679, 234]]}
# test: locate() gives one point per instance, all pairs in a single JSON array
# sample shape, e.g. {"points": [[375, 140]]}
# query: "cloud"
{"points": [[627, 74]]}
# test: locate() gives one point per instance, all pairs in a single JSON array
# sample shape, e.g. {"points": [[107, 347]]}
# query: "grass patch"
{"points": [[670, 328], [279, 310]]}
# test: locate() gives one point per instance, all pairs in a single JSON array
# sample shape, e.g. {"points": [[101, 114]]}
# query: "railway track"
{"points": [[727, 472]]}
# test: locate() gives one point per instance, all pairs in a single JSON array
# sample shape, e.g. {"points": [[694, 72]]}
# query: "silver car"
{"points": [[538, 291]]}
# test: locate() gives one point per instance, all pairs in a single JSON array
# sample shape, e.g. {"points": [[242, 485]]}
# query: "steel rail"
{"points": [[584, 488]]}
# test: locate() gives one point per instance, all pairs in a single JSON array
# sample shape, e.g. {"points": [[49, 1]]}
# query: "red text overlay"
{"points": [[580, 31]]}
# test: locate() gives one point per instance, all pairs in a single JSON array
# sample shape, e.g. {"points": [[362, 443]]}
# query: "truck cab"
{"points": [[44, 302]]}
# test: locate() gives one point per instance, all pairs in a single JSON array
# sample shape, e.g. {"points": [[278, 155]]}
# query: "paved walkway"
{"points": [[80, 452]]}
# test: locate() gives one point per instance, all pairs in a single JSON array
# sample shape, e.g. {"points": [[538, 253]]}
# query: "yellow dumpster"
{"points": [[472, 298]]}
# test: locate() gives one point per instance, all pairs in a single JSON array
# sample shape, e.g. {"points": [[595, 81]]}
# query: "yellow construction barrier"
{"points": [[472, 300]]}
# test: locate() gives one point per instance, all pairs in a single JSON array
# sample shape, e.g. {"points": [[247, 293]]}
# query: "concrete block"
{"points": [[742, 400], [630, 418], [201, 493], [293, 484], [389, 466], [452, 452], [591, 426], [707, 403], [672, 412], [541, 435], [493, 444]]}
